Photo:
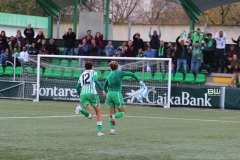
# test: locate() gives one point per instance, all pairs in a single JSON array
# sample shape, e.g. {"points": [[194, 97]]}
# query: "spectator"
{"points": [[89, 37], [220, 49], [174, 62], [149, 53], [29, 34], [235, 66], [52, 48], [197, 36], [39, 37], [196, 51], [119, 53], [15, 53], [229, 57], [129, 49], [109, 49], [123, 47], [18, 36], [238, 45], [12, 42], [210, 49], [24, 56], [138, 42], [161, 53], [154, 39], [83, 48], [99, 42], [69, 38], [169, 50], [33, 49], [3, 42], [140, 53], [93, 48], [5, 56], [43, 47], [181, 55]]}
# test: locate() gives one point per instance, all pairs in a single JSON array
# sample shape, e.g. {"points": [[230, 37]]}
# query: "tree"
{"points": [[164, 12], [228, 14], [26, 7], [123, 9]]}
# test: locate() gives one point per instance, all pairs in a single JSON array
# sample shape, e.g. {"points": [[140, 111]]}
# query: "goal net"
{"points": [[57, 78]]}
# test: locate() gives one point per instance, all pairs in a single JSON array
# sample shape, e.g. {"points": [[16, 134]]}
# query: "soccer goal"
{"points": [[57, 77]]}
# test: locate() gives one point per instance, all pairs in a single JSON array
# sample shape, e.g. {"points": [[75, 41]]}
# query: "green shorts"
{"points": [[115, 100], [89, 98]]}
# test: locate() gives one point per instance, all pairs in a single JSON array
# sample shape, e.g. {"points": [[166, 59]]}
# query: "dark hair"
{"points": [[209, 34], [196, 42], [88, 64], [70, 29], [89, 30], [113, 65]]}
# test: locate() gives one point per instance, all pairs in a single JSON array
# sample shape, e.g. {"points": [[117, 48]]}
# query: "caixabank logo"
{"points": [[157, 96]]}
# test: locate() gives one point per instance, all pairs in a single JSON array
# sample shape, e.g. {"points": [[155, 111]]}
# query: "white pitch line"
{"points": [[165, 118]]}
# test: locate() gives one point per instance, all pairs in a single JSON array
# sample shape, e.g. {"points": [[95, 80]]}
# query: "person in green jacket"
{"points": [[209, 51], [113, 88]]}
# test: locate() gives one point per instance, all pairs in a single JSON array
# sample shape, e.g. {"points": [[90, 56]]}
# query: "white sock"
{"points": [[113, 116], [99, 123], [112, 130]]}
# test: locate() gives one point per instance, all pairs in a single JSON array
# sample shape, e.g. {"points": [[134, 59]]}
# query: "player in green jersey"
{"points": [[86, 88], [113, 88]]}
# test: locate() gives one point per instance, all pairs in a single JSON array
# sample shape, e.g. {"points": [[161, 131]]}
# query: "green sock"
{"points": [[86, 113], [119, 114], [99, 126], [110, 124]]}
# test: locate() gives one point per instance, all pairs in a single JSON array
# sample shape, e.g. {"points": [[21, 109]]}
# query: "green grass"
{"points": [[144, 133]]}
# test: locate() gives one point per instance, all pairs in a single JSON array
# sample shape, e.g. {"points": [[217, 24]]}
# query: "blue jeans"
{"points": [[195, 64], [182, 62], [66, 50], [99, 51], [3, 59]]}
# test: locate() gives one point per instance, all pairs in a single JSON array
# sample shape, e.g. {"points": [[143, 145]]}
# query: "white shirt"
{"points": [[221, 41], [24, 56]]}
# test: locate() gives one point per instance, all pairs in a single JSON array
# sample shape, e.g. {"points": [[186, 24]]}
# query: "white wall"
{"points": [[12, 31], [120, 32]]}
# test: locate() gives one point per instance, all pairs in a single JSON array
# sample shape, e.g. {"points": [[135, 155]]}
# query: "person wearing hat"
{"points": [[209, 50]]}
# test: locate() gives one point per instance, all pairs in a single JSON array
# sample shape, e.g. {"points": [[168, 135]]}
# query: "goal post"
{"points": [[57, 76]]}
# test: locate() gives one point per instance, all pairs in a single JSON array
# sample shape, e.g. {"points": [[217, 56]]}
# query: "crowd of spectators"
{"points": [[200, 51]]}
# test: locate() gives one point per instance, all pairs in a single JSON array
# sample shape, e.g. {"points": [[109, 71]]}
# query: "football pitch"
{"points": [[51, 130]]}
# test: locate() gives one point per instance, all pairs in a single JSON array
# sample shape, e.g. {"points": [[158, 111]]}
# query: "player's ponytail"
{"points": [[113, 65], [88, 64]]}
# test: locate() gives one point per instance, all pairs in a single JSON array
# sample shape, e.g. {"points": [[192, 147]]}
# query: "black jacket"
{"points": [[39, 37], [138, 43], [179, 49], [29, 34], [69, 40], [52, 49], [154, 43], [238, 43]]}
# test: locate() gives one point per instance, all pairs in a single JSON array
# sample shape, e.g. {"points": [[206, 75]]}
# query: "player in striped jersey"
{"points": [[86, 88], [113, 87]]}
